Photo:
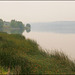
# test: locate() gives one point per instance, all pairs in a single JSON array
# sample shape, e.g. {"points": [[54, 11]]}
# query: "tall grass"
{"points": [[19, 55]]}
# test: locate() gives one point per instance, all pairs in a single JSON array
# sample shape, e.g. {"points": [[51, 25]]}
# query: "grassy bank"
{"points": [[19, 55]]}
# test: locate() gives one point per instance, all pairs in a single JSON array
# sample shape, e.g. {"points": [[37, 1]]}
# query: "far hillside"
{"points": [[56, 27]]}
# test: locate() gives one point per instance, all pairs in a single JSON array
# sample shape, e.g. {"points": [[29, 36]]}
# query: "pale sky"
{"points": [[37, 11]]}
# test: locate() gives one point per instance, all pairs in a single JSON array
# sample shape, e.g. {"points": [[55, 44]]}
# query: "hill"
{"points": [[19, 55]]}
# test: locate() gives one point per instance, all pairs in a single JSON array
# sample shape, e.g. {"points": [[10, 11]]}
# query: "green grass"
{"points": [[23, 56]]}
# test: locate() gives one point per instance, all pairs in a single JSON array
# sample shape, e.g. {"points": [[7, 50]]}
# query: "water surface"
{"points": [[51, 41]]}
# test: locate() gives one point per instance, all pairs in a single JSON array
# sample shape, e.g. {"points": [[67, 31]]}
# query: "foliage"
{"points": [[23, 56], [14, 27], [16, 24], [28, 27], [1, 24]]}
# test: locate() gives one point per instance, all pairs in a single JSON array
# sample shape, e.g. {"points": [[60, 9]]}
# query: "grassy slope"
{"points": [[22, 56]]}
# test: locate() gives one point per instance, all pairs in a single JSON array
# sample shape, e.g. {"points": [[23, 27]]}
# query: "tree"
{"points": [[13, 23], [1, 23], [17, 27], [20, 24], [28, 27], [16, 24]]}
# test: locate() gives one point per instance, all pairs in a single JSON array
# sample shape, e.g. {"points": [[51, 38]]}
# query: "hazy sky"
{"points": [[37, 11]]}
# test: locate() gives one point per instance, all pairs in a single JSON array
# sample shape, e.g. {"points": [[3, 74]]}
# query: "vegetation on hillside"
{"points": [[19, 55]]}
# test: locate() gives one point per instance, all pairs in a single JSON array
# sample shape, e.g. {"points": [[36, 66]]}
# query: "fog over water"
{"points": [[65, 27], [54, 41]]}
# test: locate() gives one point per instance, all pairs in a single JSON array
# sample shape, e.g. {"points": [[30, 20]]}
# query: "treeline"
{"points": [[17, 24], [1, 23], [12, 27], [12, 23]]}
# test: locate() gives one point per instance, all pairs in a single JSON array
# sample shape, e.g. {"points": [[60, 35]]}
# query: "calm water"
{"points": [[51, 41]]}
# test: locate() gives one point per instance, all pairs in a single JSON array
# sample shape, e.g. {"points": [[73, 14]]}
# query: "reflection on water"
{"points": [[51, 41], [15, 30]]}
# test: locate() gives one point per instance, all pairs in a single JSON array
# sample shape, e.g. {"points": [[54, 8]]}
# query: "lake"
{"points": [[52, 36], [54, 41]]}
